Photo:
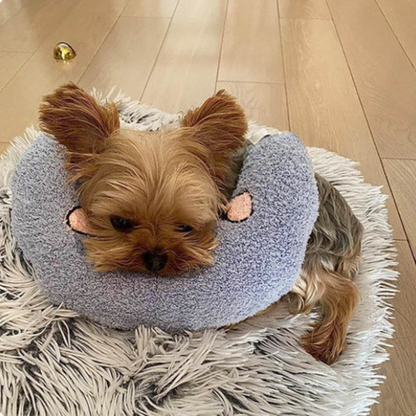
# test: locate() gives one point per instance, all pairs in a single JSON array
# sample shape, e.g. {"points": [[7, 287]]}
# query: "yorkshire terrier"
{"points": [[153, 200]]}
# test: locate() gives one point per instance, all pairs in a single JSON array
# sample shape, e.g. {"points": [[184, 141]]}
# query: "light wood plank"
{"points": [[185, 72], [264, 103], [103, 7], [8, 9], [83, 28], [398, 391], [324, 107], [126, 58], [19, 100], [150, 8], [28, 28], [385, 78], [401, 15], [10, 63], [401, 175], [27, 8], [251, 49], [304, 9]]}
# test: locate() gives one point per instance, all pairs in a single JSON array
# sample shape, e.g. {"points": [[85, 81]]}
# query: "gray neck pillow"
{"points": [[256, 262]]}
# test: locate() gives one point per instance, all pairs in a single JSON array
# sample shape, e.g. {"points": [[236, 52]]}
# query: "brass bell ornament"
{"points": [[63, 52]]}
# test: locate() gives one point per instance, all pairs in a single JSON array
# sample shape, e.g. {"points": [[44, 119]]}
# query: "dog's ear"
{"points": [[219, 125], [78, 122]]}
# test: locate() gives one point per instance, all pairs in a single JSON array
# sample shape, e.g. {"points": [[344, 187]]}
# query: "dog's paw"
{"points": [[240, 208]]}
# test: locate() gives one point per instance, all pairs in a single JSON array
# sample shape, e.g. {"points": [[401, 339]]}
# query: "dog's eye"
{"points": [[184, 228], [121, 224]]}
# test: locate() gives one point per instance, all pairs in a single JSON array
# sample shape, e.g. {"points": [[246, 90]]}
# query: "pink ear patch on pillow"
{"points": [[77, 220], [240, 207]]}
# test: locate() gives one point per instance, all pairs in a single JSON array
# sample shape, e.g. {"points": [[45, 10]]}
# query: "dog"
{"points": [[153, 200]]}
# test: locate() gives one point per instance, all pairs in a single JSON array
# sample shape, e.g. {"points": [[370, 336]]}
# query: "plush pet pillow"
{"points": [[256, 262]]}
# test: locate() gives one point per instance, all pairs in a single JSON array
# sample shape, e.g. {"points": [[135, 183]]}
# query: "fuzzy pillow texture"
{"points": [[256, 263]]}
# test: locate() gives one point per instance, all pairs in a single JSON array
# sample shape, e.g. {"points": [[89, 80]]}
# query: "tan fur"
{"points": [[79, 123], [219, 125], [157, 180]]}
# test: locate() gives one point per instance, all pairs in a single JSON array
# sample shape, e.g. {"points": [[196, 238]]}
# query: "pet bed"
{"points": [[257, 261], [55, 362]]}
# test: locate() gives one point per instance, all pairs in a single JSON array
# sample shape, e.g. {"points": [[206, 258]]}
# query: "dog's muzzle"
{"points": [[154, 262]]}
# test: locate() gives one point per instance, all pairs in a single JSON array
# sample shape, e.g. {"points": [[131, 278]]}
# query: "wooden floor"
{"points": [[340, 73]]}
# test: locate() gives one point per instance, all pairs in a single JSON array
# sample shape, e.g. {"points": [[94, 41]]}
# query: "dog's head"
{"points": [[152, 198]]}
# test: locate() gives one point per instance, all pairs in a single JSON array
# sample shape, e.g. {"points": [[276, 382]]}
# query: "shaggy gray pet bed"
{"points": [[256, 262], [54, 362]]}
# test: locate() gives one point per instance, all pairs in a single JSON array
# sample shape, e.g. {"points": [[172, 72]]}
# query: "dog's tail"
{"points": [[327, 278]]}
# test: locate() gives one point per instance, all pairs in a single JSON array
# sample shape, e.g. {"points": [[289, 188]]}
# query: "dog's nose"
{"points": [[154, 262]]}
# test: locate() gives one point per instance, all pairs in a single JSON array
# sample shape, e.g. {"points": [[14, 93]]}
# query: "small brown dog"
{"points": [[153, 200]]}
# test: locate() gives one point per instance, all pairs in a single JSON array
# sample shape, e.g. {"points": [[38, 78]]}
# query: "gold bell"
{"points": [[63, 52]]}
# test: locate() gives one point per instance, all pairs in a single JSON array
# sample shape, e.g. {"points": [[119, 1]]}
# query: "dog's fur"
{"points": [[153, 200], [327, 277], [159, 181]]}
